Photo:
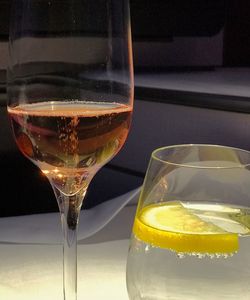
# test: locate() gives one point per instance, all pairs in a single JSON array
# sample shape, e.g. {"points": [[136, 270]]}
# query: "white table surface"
{"points": [[34, 271]]}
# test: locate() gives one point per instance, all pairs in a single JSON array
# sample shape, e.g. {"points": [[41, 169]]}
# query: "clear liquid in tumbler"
{"points": [[168, 259]]}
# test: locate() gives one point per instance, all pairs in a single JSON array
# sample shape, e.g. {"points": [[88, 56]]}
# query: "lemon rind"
{"points": [[221, 243]]}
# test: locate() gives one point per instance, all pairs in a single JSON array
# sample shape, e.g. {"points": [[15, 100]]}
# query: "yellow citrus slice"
{"points": [[172, 226]]}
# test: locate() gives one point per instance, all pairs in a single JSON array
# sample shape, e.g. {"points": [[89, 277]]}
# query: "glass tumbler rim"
{"points": [[155, 156]]}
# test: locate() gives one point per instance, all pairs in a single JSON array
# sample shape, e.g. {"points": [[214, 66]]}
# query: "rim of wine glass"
{"points": [[241, 165]]}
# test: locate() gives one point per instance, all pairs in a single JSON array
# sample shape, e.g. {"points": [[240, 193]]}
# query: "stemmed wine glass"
{"points": [[70, 97]]}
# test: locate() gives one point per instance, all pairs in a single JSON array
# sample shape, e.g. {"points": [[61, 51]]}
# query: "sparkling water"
{"points": [[154, 273]]}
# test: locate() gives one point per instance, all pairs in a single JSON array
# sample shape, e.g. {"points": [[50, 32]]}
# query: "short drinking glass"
{"points": [[191, 234]]}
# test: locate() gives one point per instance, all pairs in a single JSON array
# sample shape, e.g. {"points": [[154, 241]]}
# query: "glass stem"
{"points": [[70, 207]]}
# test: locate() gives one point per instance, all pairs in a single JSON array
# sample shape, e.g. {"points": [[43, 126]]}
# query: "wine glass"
{"points": [[191, 234], [70, 97]]}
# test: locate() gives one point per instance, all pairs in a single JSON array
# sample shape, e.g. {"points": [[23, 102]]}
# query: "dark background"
{"points": [[163, 20], [160, 21], [151, 20]]}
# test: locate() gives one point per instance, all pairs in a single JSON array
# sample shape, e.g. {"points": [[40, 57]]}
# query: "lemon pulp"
{"points": [[172, 226]]}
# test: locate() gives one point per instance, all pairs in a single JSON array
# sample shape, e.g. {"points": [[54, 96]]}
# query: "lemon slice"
{"points": [[172, 226]]}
